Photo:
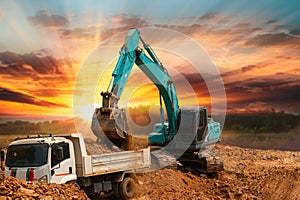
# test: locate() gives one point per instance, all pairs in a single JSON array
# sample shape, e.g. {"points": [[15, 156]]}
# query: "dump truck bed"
{"points": [[125, 161], [121, 161]]}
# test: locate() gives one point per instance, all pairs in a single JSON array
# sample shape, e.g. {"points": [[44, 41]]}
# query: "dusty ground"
{"points": [[249, 174]]}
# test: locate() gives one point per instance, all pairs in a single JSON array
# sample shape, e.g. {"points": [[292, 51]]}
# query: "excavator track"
{"points": [[212, 160], [207, 161]]}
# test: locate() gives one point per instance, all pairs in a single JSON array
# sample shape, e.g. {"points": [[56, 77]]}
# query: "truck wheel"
{"points": [[127, 188]]}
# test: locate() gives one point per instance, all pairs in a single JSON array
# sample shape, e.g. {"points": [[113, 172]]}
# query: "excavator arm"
{"points": [[162, 80], [125, 63], [111, 120]]}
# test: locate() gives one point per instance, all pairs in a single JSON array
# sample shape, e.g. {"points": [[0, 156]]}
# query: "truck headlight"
{"points": [[43, 179]]}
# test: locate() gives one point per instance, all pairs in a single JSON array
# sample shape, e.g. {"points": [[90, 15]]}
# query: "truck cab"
{"points": [[64, 159], [43, 159]]}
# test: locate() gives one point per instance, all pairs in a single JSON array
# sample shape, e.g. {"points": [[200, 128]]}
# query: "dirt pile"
{"points": [[269, 174], [249, 174], [10, 188], [94, 147]]}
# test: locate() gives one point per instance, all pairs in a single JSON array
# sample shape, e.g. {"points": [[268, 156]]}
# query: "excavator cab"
{"points": [[194, 129]]}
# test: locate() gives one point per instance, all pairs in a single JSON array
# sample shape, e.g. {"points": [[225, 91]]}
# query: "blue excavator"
{"points": [[188, 134]]}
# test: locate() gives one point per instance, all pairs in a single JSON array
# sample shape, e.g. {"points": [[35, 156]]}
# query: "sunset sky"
{"points": [[44, 44]]}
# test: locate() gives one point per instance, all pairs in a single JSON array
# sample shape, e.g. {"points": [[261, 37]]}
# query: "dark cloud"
{"points": [[9, 58], [17, 71], [30, 64], [209, 16], [242, 70], [295, 30], [12, 96], [250, 68], [283, 94], [42, 18], [231, 73], [256, 29], [274, 39], [271, 21], [196, 81], [43, 65]]}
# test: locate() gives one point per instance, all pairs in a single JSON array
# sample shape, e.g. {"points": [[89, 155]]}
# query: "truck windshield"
{"points": [[27, 155]]}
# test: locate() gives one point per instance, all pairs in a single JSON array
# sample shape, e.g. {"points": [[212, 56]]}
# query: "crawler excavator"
{"points": [[187, 134]]}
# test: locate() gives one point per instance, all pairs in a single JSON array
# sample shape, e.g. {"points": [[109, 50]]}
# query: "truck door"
{"points": [[62, 166]]}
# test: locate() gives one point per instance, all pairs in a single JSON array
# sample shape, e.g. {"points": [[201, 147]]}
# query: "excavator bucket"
{"points": [[111, 123]]}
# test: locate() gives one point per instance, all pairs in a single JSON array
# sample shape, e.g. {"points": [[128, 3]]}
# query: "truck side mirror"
{"points": [[60, 153], [2, 160], [2, 155]]}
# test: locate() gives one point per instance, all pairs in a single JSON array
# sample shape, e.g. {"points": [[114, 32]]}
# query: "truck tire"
{"points": [[127, 188]]}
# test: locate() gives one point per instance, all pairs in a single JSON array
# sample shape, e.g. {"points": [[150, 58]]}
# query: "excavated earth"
{"points": [[248, 174]]}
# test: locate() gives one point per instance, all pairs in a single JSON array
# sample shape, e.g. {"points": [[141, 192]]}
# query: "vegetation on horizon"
{"points": [[46, 127], [269, 122]]}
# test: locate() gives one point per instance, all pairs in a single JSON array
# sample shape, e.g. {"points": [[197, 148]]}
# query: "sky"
{"points": [[44, 45]]}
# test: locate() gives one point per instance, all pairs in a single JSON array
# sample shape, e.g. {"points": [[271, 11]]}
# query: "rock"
{"points": [[25, 191]]}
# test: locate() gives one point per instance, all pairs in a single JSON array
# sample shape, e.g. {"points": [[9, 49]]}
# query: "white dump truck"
{"points": [[64, 159]]}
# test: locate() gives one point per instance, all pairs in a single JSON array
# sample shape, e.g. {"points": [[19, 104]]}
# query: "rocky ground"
{"points": [[249, 174], [10, 188]]}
